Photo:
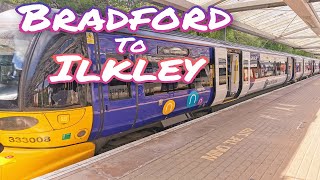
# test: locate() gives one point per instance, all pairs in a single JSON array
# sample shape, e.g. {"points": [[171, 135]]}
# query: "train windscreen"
{"points": [[13, 47]]}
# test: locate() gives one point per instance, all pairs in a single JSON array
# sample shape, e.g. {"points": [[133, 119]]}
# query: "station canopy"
{"points": [[292, 22]]}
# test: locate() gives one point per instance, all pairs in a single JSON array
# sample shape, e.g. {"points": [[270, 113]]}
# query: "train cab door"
{"points": [[118, 104], [233, 75]]}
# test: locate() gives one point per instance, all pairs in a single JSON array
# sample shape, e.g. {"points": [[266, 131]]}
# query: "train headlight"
{"points": [[16, 123]]}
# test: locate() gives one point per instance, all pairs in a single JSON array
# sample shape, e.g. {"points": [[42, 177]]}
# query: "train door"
{"points": [[317, 67], [93, 50], [246, 73], [290, 69], [313, 66], [229, 75], [307, 68], [221, 87], [299, 69], [119, 102], [294, 69], [233, 75]]}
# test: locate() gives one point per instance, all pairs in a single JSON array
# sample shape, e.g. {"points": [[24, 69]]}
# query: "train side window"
{"points": [[267, 69], [281, 68], [310, 65], [260, 69], [151, 89], [119, 90], [39, 93], [306, 66], [202, 80], [222, 71], [254, 74]]}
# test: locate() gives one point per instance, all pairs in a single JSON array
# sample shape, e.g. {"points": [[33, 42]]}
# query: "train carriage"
{"points": [[307, 67], [316, 66], [55, 125]]}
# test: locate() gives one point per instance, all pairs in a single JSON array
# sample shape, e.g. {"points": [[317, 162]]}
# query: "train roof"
{"points": [[189, 38], [192, 39]]}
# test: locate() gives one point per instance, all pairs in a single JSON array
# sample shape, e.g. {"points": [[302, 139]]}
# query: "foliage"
{"points": [[82, 5], [126, 5], [238, 37]]}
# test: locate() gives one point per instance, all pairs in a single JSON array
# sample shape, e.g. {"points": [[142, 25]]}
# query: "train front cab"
{"points": [[43, 127], [53, 125]]}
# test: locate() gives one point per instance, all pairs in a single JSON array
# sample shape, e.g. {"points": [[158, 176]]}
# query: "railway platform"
{"points": [[272, 136]]}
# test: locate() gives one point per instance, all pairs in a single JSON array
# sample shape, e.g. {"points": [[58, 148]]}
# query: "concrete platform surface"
{"points": [[274, 136]]}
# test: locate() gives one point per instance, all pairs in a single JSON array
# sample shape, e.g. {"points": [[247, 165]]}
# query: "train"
{"points": [[44, 127]]}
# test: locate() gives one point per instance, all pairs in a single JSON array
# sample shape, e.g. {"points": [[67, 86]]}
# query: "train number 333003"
{"points": [[29, 140]]}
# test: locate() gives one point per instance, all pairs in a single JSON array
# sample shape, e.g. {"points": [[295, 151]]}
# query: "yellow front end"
{"points": [[57, 140]]}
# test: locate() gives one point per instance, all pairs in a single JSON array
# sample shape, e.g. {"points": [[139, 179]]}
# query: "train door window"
{"points": [[289, 66], [229, 70], [298, 67], [119, 90], [39, 93], [278, 68], [246, 70], [282, 68], [222, 71]]}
